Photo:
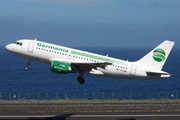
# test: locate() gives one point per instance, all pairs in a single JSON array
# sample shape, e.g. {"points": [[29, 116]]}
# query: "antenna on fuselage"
{"points": [[35, 39]]}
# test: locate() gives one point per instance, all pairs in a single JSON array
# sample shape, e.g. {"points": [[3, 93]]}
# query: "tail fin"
{"points": [[158, 56]]}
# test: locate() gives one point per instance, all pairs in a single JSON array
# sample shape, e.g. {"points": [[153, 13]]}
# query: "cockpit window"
{"points": [[18, 43]]}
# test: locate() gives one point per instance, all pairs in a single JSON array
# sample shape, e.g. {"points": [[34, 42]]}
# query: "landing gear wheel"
{"points": [[26, 68], [81, 80]]}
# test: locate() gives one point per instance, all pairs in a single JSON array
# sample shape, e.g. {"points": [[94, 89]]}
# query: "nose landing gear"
{"points": [[27, 67]]}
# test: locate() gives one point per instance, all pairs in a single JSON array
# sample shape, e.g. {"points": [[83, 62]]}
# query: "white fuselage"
{"points": [[43, 52]]}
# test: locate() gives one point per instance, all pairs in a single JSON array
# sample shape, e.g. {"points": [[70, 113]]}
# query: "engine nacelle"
{"points": [[60, 67]]}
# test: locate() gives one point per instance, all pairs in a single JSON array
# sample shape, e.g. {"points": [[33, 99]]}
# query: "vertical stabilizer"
{"points": [[158, 56]]}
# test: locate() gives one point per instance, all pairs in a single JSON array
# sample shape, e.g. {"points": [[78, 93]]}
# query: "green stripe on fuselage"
{"points": [[95, 57]]}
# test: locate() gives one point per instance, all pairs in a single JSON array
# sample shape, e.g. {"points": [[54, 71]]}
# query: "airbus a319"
{"points": [[65, 60]]}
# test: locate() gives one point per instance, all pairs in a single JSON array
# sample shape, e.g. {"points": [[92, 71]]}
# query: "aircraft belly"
{"points": [[35, 56], [115, 73]]}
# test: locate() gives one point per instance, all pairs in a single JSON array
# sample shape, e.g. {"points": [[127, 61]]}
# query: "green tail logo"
{"points": [[159, 55]]}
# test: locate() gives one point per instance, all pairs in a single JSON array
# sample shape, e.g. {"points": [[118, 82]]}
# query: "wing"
{"points": [[89, 66], [80, 66]]}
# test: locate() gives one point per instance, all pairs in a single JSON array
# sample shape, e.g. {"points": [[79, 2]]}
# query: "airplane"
{"points": [[65, 60]]}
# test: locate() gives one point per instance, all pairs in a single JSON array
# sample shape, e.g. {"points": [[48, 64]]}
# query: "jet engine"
{"points": [[60, 67]]}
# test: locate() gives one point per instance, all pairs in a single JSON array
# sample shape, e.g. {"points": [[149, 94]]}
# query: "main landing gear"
{"points": [[80, 78], [27, 67]]}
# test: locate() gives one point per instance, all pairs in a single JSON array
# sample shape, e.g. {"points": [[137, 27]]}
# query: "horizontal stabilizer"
{"points": [[158, 72]]}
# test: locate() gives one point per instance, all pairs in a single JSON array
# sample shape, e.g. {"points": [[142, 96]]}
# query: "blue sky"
{"points": [[100, 23]]}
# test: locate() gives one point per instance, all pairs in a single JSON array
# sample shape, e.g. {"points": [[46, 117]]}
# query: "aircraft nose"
{"points": [[8, 47]]}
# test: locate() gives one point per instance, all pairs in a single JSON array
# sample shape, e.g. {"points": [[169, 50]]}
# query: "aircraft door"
{"points": [[133, 69], [31, 47]]}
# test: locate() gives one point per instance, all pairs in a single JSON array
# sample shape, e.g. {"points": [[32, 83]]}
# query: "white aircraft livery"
{"points": [[65, 60]]}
